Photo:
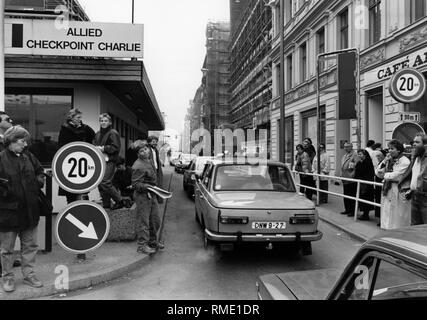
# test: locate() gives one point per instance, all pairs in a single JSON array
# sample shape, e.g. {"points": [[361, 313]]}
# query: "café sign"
{"points": [[75, 38], [415, 60]]}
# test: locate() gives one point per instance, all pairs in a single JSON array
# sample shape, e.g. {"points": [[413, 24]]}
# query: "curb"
{"points": [[356, 236], [86, 281]]}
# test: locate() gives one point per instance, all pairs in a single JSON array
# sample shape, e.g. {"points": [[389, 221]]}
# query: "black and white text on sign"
{"points": [[79, 167], [81, 227]]}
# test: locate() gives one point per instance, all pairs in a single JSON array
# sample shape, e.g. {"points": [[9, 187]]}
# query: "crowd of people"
{"points": [[22, 177], [403, 194]]}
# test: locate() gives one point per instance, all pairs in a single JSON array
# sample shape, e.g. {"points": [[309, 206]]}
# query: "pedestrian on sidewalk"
{"points": [[131, 154], [74, 130], [309, 180], [21, 178], [396, 208], [108, 141], [157, 164], [325, 168], [303, 165], [348, 166], [365, 171], [416, 177], [5, 123], [379, 157], [147, 217]]}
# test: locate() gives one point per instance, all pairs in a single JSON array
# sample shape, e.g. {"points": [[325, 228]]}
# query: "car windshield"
{"points": [[253, 178]]}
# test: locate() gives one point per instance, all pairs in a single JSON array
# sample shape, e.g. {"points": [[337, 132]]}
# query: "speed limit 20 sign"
{"points": [[408, 86], [79, 167]]}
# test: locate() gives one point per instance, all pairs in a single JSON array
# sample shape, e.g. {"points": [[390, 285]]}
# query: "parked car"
{"points": [[238, 203], [190, 175], [174, 158], [184, 162], [391, 266]]}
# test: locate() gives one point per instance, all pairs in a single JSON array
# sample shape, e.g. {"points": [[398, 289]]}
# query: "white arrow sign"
{"points": [[88, 232]]}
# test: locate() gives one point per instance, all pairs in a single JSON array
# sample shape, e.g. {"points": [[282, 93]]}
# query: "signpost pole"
{"points": [[2, 75]]}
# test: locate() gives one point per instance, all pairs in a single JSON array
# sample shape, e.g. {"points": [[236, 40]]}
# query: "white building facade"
{"points": [[387, 35]]}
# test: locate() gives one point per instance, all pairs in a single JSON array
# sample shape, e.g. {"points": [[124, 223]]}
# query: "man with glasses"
{"points": [[414, 181], [5, 123]]}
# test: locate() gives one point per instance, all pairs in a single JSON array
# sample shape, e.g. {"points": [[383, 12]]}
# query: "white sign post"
{"points": [[74, 38]]}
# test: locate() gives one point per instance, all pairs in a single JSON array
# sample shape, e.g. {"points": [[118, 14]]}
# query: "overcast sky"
{"points": [[174, 41]]}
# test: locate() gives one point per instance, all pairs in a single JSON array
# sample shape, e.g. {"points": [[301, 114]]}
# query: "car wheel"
{"points": [[185, 187], [306, 249]]}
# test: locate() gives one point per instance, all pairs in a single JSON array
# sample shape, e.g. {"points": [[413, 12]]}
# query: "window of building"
{"points": [[41, 112], [418, 9], [309, 125], [303, 62], [320, 39], [288, 11], [374, 21], [277, 87], [343, 30], [289, 71]]}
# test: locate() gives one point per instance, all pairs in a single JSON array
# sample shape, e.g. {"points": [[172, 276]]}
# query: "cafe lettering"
{"points": [[415, 62]]}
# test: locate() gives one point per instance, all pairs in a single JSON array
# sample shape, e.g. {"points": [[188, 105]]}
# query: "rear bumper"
{"points": [[218, 237]]}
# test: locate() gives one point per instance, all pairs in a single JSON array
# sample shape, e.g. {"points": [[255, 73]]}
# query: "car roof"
{"points": [[410, 242]]}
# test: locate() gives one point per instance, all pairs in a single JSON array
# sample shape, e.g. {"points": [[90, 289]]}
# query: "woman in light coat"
{"points": [[396, 209]]}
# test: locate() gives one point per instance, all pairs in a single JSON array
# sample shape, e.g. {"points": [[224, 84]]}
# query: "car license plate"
{"points": [[269, 225]]}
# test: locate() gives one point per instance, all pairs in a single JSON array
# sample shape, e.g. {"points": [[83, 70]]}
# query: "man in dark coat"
{"points": [[73, 130], [157, 164], [21, 178], [5, 124], [108, 141]]}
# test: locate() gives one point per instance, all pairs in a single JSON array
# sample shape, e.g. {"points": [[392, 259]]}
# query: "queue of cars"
{"points": [[183, 162], [247, 203]]}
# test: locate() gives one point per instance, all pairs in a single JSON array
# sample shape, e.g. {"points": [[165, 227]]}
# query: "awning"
{"points": [[127, 80]]}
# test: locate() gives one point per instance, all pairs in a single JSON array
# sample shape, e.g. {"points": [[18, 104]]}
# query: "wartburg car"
{"points": [[238, 203], [391, 266]]}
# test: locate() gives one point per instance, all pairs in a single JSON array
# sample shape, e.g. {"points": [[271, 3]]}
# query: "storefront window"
{"points": [[42, 113], [309, 126]]}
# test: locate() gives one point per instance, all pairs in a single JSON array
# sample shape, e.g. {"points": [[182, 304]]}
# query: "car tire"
{"points": [[306, 249], [206, 242], [185, 187]]}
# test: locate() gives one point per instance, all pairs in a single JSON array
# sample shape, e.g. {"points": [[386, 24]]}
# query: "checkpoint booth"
{"points": [[95, 67]]}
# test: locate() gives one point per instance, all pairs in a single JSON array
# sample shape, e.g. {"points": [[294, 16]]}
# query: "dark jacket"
{"points": [[19, 208], [143, 173], [365, 171], [405, 182], [69, 133], [110, 140]]}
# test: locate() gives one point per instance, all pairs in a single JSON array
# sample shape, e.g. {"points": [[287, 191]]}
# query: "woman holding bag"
{"points": [[365, 171]]}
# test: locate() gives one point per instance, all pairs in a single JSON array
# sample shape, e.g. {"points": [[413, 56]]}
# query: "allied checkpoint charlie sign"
{"points": [[82, 226], [73, 38]]}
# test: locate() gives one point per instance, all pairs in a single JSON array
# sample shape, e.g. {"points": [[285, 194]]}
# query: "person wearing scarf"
{"points": [[396, 209]]}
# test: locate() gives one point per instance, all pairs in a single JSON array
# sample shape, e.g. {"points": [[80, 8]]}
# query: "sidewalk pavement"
{"points": [[330, 213], [110, 261]]}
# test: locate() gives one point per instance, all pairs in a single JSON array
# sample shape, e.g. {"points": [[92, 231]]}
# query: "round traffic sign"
{"points": [[81, 227], [79, 167], [407, 86]]}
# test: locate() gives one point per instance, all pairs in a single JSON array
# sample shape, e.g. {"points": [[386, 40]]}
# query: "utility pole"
{"points": [[2, 72], [282, 136]]}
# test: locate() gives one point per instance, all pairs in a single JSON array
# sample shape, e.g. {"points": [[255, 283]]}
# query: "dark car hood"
{"points": [[310, 285]]}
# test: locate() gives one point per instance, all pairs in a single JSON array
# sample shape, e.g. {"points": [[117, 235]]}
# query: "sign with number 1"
{"points": [[79, 167]]}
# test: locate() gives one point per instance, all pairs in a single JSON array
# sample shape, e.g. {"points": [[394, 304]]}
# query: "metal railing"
{"points": [[357, 199]]}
